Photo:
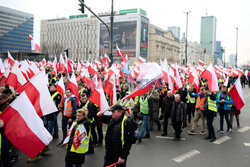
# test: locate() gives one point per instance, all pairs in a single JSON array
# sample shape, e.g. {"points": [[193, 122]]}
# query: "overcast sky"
{"points": [[162, 13]]}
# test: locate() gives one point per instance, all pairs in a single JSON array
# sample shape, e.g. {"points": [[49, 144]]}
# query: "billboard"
{"points": [[124, 36], [144, 37]]}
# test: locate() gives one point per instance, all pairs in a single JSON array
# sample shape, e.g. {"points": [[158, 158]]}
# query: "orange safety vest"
{"points": [[200, 103], [69, 109]]}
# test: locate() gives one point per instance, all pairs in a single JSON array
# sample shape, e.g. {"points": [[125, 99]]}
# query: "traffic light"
{"points": [[205, 50], [222, 51], [81, 5]]}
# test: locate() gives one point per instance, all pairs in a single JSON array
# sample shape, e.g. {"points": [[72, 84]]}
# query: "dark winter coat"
{"points": [[179, 112], [113, 143], [167, 105]]}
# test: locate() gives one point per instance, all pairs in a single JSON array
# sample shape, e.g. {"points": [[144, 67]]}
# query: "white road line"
{"points": [[167, 137], [244, 129], [222, 140], [247, 144], [185, 156]]}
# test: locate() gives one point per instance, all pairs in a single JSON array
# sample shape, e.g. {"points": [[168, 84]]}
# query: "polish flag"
{"points": [[201, 63], [98, 97], [211, 77], [54, 63], [79, 66], [61, 88], [110, 89], [24, 128], [141, 60], [165, 73], [38, 93], [177, 76], [236, 94], [106, 58], [119, 52], [33, 70], [73, 86], [4, 76], [150, 73], [226, 82], [69, 66], [10, 59], [34, 46], [16, 78], [194, 78], [246, 74], [126, 57]]}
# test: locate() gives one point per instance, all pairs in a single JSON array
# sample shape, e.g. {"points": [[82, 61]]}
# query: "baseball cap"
{"points": [[116, 107]]}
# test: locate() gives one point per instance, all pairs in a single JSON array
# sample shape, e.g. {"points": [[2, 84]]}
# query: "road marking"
{"points": [[222, 140], [167, 137], [185, 156], [247, 144], [244, 129]]}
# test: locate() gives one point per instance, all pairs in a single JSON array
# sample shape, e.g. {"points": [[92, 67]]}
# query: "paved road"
{"points": [[230, 150]]}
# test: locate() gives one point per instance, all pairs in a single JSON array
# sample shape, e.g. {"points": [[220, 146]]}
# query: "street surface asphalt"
{"points": [[230, 149]]}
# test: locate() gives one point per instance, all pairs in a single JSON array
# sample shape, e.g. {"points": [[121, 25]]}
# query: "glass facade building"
{"points": [[15, 27], [208, 34]]}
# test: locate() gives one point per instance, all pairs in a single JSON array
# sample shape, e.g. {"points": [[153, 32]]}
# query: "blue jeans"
{"points": [[145, 126], [72, 165], [224, 113], [53, 124]]}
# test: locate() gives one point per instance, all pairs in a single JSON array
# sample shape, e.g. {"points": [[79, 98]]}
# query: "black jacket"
{"points": [[92, 110], [183, 94], [167, 105], [113, 143], [179, 112], [72, 157]]}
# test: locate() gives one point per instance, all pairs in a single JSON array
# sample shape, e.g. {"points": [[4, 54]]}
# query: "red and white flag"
{"points": [[98, 97], [38, 93], [106, 58], [141, 60], [246, 74], [34, 46], [149, 72], [16, 78], [61, 88], [210, 76], [194, 78], [201, 63], [73, 86], [24, 128], [4, 76], [10, 59], [177, 76], [236, 94], [119, 52], [226, 82], [165, 74], [110, 89]]}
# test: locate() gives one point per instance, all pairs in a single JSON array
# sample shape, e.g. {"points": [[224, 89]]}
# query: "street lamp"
{"points": [[236, 56], [186, 36]]}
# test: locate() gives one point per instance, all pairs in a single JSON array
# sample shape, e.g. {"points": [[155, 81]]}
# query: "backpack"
{"points": [[133, 129]]}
